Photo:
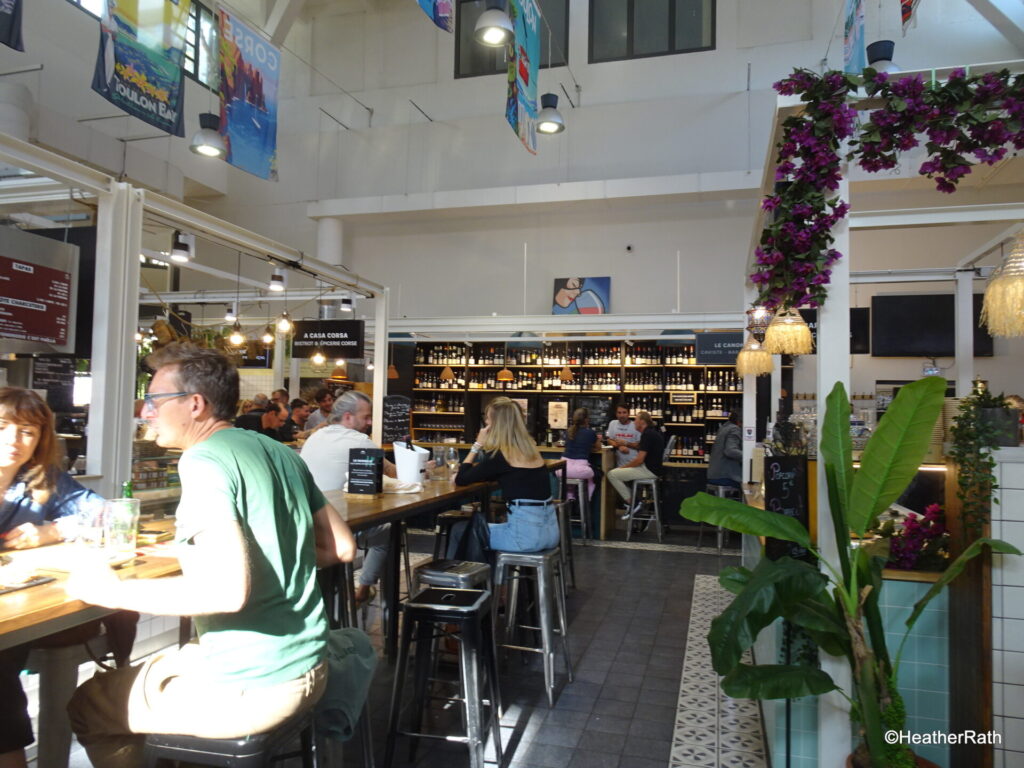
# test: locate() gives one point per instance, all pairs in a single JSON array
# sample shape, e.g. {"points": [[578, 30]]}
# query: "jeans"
{"points": [[530, 528], [619, 476], [378, 542], [727, 481]]}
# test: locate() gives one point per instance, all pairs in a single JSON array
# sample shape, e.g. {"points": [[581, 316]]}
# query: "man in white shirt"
{"points": [[326, 454], [623, 435]]}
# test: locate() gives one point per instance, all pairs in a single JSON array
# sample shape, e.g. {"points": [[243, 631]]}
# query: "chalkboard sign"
{"points": [[785, 492], [719, 348], [56, 375], [396, 418], [365, 470], [601, 411]]}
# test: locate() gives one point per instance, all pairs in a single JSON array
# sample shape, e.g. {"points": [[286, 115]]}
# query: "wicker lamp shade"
{"points": [[505, 375], [447, 374], [1003, 309], [565, 374], [788, 334], [753, 359]]}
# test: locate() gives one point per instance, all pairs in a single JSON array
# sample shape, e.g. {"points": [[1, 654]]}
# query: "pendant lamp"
{"points": [[1003, 309], [447, 374], [788, 334], [317, 358], [566, 374], [753, 359], [505, 375], [758, 319]]}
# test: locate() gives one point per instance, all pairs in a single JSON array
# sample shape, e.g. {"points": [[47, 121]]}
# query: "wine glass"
{"points": [[453, 461]]}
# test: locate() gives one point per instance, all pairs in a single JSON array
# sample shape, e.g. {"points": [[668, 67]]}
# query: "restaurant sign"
{"points": [[334, 338]]}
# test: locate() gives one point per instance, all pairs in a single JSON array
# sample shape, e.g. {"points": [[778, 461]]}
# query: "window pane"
{"points": [[95, 7], [650, 27], [555, 12], [474, 58], [608, 30], [207, 74], [693, 24]]}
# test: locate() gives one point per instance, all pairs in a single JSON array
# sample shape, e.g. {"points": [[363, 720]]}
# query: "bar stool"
{"points": [[563, 511], [443, 528], [458, 574], [643, 514], [722, 492], [582, 504], [547, 575], [470, 611], [261, 749]]}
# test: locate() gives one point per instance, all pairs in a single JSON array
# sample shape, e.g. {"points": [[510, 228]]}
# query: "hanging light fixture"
{"points": [[1003, 308], [369, 366], [346, 305], [231, 313], [268, 336], [317, 358], [549, 119], [207, 141], [788, 334], [340, 371], [753, 359], [284, 323], [277, 281], [392, 371], [879, 55], [237, 338], [566, 374], [181, 250], [758, 319], [494, 27], [447, 374], [505, 375]]}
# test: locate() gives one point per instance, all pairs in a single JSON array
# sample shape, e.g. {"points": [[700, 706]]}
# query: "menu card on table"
{"points": [[365, 470]]}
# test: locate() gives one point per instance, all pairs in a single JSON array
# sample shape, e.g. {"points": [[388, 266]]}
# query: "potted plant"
{"points": [[838, 607]]}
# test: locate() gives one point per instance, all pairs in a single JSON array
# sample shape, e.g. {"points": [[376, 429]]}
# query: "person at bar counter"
{"points": [[623, 435], [294, 427], [267, 421], [645, 465], [725, 466], [251, 529], [326, 455], [39, 504], [324, 400], [580, 442], [508, 455]]}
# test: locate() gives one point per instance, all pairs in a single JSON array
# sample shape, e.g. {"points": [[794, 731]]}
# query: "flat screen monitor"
{"points": [[921, 325]]}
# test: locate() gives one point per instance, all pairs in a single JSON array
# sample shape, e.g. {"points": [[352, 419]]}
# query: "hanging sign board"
{"points": [[719, 348], [396, 418], [335, 338], [35, 302]]}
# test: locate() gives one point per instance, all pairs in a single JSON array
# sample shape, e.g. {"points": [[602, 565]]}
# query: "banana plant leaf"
{"points": [[734, 578], [894, 452], [776, 681], [822, 620], [870, 559], [774, 586], [837, 452], [704, 508]]}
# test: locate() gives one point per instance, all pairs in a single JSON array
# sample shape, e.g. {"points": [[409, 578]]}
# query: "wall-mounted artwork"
{"points": [[582, 296]]}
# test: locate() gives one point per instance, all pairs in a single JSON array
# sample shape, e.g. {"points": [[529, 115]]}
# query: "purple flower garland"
{"points": [[965, 117]]}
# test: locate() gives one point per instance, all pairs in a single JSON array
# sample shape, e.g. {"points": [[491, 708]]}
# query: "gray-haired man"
{"points": [[326, 454]]}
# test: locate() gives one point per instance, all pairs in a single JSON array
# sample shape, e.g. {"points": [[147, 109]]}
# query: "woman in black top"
{"points": [[511, 458]]}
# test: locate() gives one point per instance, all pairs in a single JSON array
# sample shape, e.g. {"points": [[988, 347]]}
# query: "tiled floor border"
{"points": [[712, 729]]}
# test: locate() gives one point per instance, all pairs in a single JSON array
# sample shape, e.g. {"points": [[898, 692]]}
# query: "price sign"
{"points": [[365, 470], [785, 492]]}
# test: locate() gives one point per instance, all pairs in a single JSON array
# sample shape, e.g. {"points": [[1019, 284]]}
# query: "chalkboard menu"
{"points": [[785, 492], [365, 470], [600, 408], [396, 418], [719, 348], [57, 376]]}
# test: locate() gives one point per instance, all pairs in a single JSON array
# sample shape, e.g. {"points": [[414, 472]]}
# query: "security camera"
{"points": [[629, 249]]}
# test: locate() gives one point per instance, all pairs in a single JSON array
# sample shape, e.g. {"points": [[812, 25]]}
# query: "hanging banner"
{"points": [[249, 70], [854, 56], [335, 338], [10, 24], [138, 67], [523, 59], [908, 8], [441, 12]]}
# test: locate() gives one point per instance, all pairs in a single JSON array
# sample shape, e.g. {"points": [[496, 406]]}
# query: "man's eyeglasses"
{"points": [[150, 399]]}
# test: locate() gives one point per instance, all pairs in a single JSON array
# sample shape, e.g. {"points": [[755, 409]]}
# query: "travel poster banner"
{"points": [[138, 67], [249, 71], [854, 51], [10, 24], [908, 9], [440, 12], [523, 60]]}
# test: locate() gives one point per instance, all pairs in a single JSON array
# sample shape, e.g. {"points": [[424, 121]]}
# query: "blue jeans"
{"points": [[530, 528], [727, 481]]}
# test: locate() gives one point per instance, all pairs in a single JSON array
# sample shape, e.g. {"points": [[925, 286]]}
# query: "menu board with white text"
{"points": [[35, 302]]}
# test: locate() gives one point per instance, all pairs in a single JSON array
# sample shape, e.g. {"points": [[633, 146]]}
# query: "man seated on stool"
{"points": [[726, 464], [251, 529], [646, 465], [267, 421], [326, 455]]}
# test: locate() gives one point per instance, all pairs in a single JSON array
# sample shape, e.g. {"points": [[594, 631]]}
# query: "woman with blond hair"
{"points": [[509, 456]]}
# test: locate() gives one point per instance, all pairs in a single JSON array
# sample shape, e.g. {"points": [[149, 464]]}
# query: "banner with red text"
{"points": [[523, 61]]}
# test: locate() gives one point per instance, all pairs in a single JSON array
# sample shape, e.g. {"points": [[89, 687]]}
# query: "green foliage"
{"points": [[973, 441], [776, 681]]}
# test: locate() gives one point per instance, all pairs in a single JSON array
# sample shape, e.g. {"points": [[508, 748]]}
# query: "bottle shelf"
{"points": [[684, 424], [438, 365], [438, 429], [438, 413]]}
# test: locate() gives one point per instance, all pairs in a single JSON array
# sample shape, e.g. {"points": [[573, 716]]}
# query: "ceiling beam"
{"points": [[1007, 16], [281, 18], [936, 216]]}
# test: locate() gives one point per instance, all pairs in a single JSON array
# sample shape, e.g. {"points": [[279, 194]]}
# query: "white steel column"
{"points": [[833, 359], [330, 241], [111, 415], [380, 361], [280, 342], [964, 331]]}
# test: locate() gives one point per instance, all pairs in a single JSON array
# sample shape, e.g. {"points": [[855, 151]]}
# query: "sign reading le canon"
{"points": [[335, 338]]}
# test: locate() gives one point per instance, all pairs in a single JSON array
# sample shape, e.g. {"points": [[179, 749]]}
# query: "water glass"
{"points": [[439, 463], [90, 528], [452, 459], [122, 524]]}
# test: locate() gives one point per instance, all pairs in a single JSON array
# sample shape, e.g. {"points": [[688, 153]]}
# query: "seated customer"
{"points": [[267, 421], [508, 455], [324, 400], [726, 464], [251, 529], [294, 426], [38, 504], [326, 455], [580, 442], [646, 465]]}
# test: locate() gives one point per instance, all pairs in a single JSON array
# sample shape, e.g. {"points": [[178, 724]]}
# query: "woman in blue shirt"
{"points": [[580, 442], [38, 505]]}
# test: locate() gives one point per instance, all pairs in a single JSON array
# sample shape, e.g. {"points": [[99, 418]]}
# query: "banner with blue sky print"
{"points": [[10, 24], [440, 12], [854, 53], [523, 60], [138, 67], [249, 70]]}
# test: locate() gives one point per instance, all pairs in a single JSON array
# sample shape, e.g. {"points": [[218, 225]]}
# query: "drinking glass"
{"points": [[122, 525], [439, 462], [89, 526], [453, 462]]}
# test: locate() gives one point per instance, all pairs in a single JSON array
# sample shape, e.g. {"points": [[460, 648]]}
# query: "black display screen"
{"points": [[921, 325]]}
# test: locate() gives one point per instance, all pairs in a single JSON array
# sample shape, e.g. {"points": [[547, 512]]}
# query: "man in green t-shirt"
{"points": [[251, 530]]}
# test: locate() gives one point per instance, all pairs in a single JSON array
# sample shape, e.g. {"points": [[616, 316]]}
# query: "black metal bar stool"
{"points": [[443, 528], [425, 614], [582, 506], [458, 574], [563, 511], [246, 752], [643, 513]]}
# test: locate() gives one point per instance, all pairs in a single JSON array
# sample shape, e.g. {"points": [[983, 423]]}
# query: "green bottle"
{"points": [[126, 489]]}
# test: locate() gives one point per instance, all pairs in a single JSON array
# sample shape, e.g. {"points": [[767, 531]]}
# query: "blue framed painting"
{"points": [[582, 296]]}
